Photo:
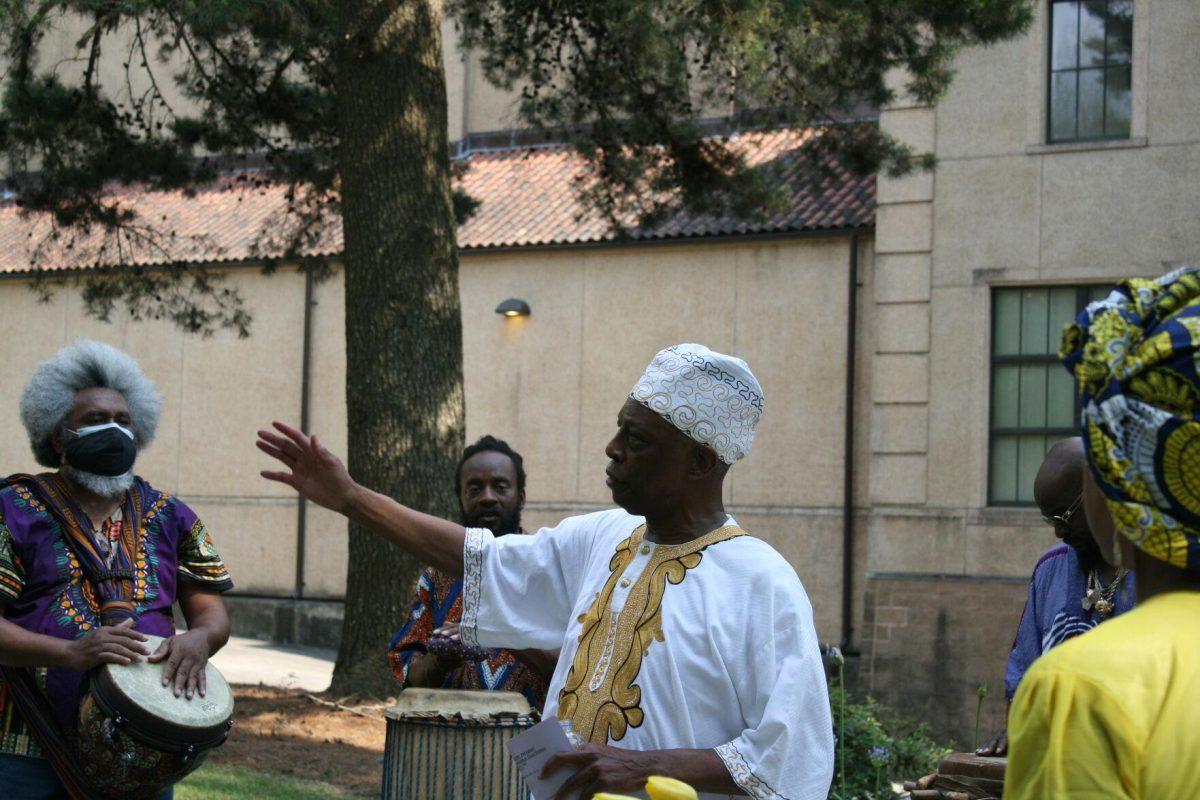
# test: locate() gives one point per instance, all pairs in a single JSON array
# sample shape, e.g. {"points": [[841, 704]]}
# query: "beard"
{"points": [[1088, 552], [510, 522], [102, 485]]}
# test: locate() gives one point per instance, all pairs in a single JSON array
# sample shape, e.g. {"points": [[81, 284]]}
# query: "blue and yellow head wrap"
{"points": [[1134, 355]]}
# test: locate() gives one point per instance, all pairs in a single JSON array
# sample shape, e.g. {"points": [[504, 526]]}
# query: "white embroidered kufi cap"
{"points": [[713, 398]]}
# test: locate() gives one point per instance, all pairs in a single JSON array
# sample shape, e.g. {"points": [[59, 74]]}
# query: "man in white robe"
{"points": [[687, 645]]}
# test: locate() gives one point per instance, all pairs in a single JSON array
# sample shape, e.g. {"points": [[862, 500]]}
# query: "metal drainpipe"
{"points": [[305, 371], [848, 459]]}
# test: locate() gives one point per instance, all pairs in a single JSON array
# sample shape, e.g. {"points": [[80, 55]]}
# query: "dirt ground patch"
{"points": [[287, 732]]}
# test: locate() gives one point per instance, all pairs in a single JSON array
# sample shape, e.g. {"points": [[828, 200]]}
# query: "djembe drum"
{"points": [[445, 744], [135, 737]]}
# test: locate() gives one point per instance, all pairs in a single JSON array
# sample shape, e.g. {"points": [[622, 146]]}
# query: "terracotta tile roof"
{"points": [[526, 199]]}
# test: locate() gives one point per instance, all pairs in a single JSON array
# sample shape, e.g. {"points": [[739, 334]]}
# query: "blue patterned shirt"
{"points": [[1054, 611]]}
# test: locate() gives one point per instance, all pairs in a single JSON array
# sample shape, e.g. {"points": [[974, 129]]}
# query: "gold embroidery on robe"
{"points": [[599, 697]]}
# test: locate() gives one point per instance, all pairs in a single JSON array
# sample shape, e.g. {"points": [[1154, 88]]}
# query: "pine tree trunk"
{"points": [[404, 385]]}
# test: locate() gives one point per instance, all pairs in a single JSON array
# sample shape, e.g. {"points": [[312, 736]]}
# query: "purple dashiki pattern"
{"points": [[1054, 611], [43, 589]]}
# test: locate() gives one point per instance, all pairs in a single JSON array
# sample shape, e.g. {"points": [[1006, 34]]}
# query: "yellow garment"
{"points": [[1112, 713], [660, 788]]}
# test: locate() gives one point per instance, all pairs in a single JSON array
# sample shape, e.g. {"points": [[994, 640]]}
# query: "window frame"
{"points": [[1104, 68], [1083, 295]]}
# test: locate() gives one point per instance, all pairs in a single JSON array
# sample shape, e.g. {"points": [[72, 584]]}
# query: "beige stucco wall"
{"points": [[1001, 209], [551, 384], [218, 390]]}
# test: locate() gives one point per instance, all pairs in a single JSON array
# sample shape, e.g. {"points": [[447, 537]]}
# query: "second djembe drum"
{"points": [[445, 744]]}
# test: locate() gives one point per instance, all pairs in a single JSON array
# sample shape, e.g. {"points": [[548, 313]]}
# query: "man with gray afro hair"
{"points": [[92, 561], [50, 394]]}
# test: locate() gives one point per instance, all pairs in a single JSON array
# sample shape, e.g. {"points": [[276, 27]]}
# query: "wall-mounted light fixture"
{"points": [[513, 307]]}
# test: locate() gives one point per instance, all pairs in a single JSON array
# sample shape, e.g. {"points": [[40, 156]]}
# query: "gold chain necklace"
{"points": [[1100, 597]]}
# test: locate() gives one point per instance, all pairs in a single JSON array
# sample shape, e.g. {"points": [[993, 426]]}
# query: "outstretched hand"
{"points": [[314, 471]]}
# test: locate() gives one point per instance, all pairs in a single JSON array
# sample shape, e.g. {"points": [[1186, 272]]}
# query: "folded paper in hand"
{"points": [[532, 749]]}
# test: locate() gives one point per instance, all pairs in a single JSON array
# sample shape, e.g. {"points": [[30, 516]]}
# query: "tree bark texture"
{"points": [[404, 384]]}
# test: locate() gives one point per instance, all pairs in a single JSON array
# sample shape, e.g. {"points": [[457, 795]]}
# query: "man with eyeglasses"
{"points": [[1073, 588]]}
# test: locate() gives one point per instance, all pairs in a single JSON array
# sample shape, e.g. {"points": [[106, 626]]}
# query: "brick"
{"points": [[898, 479], [903, 277], [900, 428], [891, 615], [904, 228], [900, 378]]}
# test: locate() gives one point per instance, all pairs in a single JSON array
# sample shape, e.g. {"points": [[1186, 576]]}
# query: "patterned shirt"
{"points": [[438, 600], [43, 589], [1054, 611]]}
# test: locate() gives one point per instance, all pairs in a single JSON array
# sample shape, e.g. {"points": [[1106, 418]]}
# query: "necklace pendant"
{"points": [[1089, 599], [1103, 607]]}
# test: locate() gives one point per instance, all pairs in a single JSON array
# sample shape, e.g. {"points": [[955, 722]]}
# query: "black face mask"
{"points": [[102, 450]]}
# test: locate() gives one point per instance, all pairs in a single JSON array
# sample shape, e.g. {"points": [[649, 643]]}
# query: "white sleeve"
{"points": [[519, 591], [787, 748]]}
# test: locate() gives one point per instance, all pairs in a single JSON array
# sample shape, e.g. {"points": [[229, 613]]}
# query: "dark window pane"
{"points": [[1003, 473], [1006, 382], [1091, 33], [1117, 102], [1091, 104], [1030, 399], [1063, 310], [1120, 31], [1060, 401], [1065, 36], [1032, 412], [1031, 451], [1062, 106], [1006, 327], [1035, 306]]}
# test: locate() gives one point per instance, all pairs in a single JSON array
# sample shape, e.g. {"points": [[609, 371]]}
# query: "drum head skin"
{"points": [[138, 688], [465, 703]]}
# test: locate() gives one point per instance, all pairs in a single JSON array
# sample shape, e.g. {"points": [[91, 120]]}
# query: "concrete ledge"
{"points": [[310, 623], [1084, 145]]}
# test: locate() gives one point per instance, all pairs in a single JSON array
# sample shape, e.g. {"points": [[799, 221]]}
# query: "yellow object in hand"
{"points": [[660, 788]]}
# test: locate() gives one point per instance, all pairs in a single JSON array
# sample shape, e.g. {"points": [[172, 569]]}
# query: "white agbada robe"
{"points": [[708, 644]]}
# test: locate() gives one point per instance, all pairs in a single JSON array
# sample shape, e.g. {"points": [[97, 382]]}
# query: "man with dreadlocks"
{"points": [[92, 558], [428, 650]]}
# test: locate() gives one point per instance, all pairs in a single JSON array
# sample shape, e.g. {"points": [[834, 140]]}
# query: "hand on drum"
{"points": [[108, 644], [447, 647], [186, 655]]}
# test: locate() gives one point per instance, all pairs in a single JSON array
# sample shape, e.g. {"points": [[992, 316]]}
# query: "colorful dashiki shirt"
{"points": [[43, 589], [1054, 611], [705, 644], [438, 600]]}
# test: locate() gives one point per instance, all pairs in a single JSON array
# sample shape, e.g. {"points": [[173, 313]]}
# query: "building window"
{"points": [[1033, 402], [1091, 45]]}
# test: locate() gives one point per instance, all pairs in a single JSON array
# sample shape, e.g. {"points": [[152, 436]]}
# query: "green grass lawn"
{"points": [[215, 782]]}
